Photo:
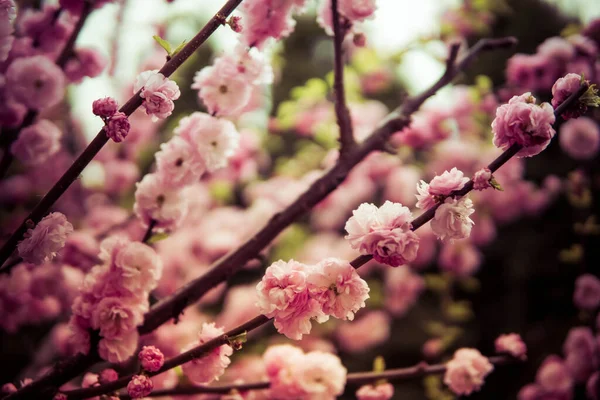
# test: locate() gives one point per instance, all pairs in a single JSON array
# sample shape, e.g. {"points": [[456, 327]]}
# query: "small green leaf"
{"points": [[163, 43], [157, 237], [238, 340], [178, 48], [495, 184], [378, 364]]}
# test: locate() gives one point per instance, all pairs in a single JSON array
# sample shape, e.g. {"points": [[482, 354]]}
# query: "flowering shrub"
{"points": [[210, 205]]}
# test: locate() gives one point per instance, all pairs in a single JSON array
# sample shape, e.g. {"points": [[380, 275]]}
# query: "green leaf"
{"points": [[495, 184], [459, 311], [178, 48], [163, 43], [436, 283], [157, 237]]}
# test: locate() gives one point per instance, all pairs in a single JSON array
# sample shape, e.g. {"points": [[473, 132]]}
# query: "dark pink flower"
{"points": [[117, 127], [105, 107], [512, 344], [139, 386], [151, 358]]}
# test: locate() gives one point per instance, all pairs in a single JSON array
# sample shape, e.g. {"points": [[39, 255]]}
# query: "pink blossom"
{"points": [[523, 122], [451, 220], [338, 287], [115, 317], [400, 184], [36, 81], [117, 127], [135, 265], [214, 139], [222, 95], [139, 386], [267, 19], [8, 388], [587, 292], [283, 294], [511, 344], [402, 290], [85, 63], [553, 376], [441, 185], [279, 363], [370, 330], [557, 48], [481, 179], [562, 89], [108, 375], [37, 143], [158, 93], [41, 243], [460, 258], [151, 358], [381, 391], [466, 372], [119, 349], [383, 232], [178, 163], [156, 201], [211, 366], [105, 107], [357, 10], [534, 72], [580, 138], [582, 357], [321, 376]]}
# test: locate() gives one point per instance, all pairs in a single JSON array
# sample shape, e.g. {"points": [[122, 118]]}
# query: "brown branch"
{"points": [[196, 352], [357, 378], [100, 140], [172, 306], [340, 28]]}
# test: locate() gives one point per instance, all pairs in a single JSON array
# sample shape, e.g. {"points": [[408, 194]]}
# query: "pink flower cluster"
{"points": [[294, 374], [511, 344], [384, 232], [582, 353], [114, 298], [201, 143], [232, 84], [377, 391], [28, 294], [554, 58], [211, 366], [466, 372], [43, 242], [158, 93], [452, 219], [439, 187], [37, 143], [553, 381], [580, 138], [268, 19], [294, 294]]}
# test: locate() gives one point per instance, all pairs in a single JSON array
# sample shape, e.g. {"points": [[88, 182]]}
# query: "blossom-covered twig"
{"points": [[344, 122], [196, 352], [12, 134], [357, 378], [101, 138]]}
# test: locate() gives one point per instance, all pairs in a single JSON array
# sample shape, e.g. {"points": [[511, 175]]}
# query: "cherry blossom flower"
{"points": [[41, 243], [115, 316], [209, 367], [35, 81], [151, 358], [158, 93], [119, 349], [156, 201], [451, 220], [139, 386], [105, 107], [523, 122], [279, 365], [481, 179], [441, 185], [268, 19], [512, 344], [466, 372], [283, 294], [381, 391], [580, 138], [117, 127], [321, 375], [402, 290], [338, 287], [178, 164], [37, 142], [214, 139], [383, 232]]}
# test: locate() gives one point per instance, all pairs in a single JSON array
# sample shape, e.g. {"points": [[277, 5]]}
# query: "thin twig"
{"points": [[148, 233], [340, 28], [357, 378]]}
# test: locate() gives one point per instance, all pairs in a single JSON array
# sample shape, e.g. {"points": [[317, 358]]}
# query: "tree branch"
{"points": [[100, 140], [357, 378], [340, 28]]}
